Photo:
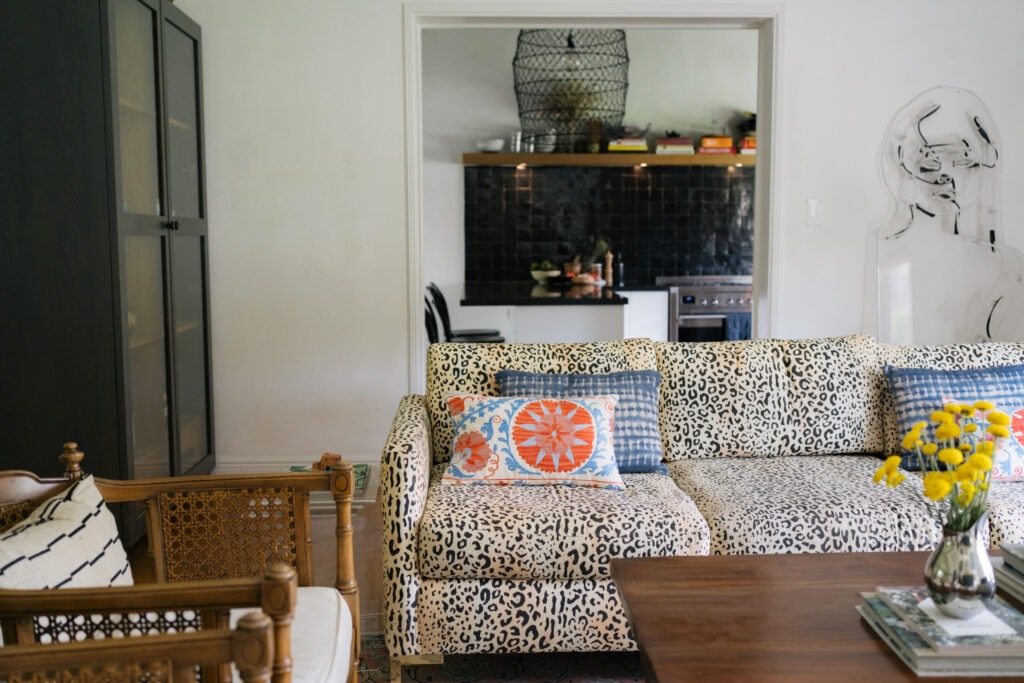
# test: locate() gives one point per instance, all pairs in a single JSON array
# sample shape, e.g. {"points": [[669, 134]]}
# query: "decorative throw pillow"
{"points": [[70, 541], [917, 393], [637, 437], [502, 440]]}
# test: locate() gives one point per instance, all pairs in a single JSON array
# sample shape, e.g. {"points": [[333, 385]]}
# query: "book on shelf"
{"points": [[716, 141], [748, 143], [716, 150], [673, 149], [924, 659], [1000, 628], [748, 150], [627, 145]]}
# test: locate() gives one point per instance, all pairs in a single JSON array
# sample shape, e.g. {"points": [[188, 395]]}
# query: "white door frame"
{"points": [[766, 18]]}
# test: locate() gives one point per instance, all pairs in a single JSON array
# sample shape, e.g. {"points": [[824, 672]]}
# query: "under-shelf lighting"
{"points": [[520, 167]]}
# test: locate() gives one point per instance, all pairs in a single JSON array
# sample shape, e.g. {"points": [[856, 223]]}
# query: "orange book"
{"points": [[714, 141]]}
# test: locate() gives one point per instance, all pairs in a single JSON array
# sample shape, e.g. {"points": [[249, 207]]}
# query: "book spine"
{"points": [[716, 150], [716, 142]]}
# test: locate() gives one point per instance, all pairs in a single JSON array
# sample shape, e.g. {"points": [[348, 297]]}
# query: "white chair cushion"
{"points": [[321, 636]]}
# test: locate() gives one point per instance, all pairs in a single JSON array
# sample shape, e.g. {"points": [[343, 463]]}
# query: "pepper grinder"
{"points": [[608, 275]]}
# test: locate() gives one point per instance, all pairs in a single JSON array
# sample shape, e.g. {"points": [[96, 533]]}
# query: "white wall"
{"points": [[692, 81], [305, 162]]}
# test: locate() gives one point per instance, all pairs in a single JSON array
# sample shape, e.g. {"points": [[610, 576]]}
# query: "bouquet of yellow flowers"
{"points": [[957, 466]]}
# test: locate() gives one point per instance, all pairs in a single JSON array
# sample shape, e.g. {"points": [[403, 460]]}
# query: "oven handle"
{"points": [[701, 320]]}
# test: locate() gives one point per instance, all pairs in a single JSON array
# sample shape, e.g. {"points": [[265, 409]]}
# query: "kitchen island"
{"points": [[532, 312]]}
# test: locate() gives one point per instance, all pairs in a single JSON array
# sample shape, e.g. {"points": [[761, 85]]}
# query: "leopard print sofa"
{"points": [[770, 446]]}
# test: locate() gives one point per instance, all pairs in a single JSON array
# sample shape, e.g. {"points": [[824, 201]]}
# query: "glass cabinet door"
{"points": [[189, 306], [147, 357], [135, 46], [181, 62]]}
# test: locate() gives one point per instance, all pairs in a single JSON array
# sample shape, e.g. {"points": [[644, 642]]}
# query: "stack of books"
{"points": [[627, 145], [711, 144], [1010, 570], [674, 145], [748, 145], [932, 644]]}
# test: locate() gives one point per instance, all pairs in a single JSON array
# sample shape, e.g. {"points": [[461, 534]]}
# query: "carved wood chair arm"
{"points": [[166, 657]]}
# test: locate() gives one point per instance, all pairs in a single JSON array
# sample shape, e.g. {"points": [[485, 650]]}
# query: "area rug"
{"points": [[548, 667]]}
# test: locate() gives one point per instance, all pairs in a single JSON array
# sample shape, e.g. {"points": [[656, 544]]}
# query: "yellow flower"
{"points": [[947, 431], [997, 417], [983, 486], [965, 472], [951, 408], [980, 461], [966, 410], [895, 479], [940, 417], [998, 430], [967, 490], [919, 426], [983, 405], [929, 449], [888, 470], [971, 428], [951, 456], [986, 447], [910, 439], [965, 447], [936, 485]]}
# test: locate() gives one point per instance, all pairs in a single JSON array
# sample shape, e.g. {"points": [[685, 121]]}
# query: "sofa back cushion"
{"points": [[766, 397], [472, 368], [940, 357]]}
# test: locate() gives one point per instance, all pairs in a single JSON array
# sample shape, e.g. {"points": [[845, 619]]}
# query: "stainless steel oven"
{"points": [[709, 307]]}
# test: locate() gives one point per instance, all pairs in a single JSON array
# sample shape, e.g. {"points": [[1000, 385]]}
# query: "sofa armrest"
{"points": [[405, 474]]}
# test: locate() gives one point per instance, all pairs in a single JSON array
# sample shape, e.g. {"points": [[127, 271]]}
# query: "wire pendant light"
{"points": [[570, 84]]}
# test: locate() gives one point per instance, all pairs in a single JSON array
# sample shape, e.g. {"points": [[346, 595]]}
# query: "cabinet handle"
{"points": [[171, 225]]}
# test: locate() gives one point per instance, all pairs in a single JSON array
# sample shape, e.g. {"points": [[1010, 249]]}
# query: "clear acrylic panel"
{"points": [[189, 348], [135, 45], [180, 59], [147, 358], [944, 273]]}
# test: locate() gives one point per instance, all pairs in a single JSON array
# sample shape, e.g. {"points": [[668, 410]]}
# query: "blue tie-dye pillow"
{"points": [[917, 393]]}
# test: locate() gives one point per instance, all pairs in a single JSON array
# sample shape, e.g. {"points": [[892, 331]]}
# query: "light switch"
{"points": [[813, 212]]}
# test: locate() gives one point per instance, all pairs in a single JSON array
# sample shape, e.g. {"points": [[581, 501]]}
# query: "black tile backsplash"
{"points": [[662, 220]]}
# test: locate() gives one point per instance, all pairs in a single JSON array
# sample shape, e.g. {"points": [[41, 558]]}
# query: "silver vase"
{"points": [[959, 574]]}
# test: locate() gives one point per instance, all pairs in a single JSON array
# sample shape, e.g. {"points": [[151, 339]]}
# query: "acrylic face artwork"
{"points": [[945, 275]]}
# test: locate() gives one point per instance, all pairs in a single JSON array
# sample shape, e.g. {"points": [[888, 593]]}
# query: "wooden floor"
{"points": [[367, 541]]}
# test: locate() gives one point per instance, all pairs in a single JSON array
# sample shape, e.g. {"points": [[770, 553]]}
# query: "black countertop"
{"points": [[520, 293]]}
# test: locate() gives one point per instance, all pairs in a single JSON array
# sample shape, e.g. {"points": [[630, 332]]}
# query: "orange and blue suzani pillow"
{"points": [[533, 441]]}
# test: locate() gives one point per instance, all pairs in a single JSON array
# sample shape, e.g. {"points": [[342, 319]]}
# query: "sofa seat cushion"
{"points": [[321, 636], [804, 504], [554, 532], [1006, 512]]}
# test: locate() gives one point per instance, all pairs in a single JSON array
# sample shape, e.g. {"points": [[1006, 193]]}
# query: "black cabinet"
{"points": [[103, 240]]}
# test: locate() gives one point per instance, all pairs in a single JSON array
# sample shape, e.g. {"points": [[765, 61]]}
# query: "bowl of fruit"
{"points": [[543, 270]]}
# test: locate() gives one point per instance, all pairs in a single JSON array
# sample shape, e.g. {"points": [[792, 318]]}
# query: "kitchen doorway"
{"points": [[418, 18]]}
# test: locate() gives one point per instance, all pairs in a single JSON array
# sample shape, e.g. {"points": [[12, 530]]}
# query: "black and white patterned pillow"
{"points": [[70, 541]]}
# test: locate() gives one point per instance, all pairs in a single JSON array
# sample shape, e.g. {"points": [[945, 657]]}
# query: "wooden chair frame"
{"points": [[250, 646], [167, 500]]}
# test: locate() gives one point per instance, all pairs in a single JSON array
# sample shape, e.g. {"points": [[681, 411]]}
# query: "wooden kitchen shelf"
{"points": [[607, 159]]}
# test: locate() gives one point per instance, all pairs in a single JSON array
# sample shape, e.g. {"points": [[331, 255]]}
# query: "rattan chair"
{"points": [[210, 540]]}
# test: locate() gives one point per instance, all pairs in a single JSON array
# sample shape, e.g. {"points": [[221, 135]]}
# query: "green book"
{"points": [[362, 471]]}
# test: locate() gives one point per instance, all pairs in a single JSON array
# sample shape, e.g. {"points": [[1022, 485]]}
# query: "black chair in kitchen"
{"points": [[431, 322], [468, 336]]}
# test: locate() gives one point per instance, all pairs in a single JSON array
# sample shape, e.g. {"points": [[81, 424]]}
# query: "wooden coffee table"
{"points": [[763, 617]]}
